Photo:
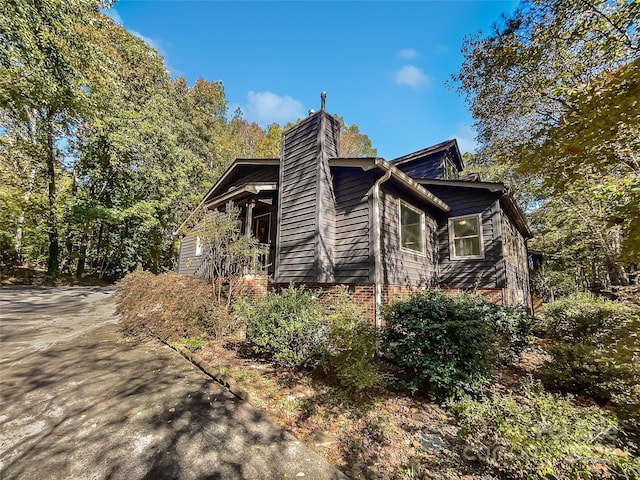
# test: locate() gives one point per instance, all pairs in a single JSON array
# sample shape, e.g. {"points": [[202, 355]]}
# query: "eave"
{"points": [[398, 175], [505, 195], [237, 162]]}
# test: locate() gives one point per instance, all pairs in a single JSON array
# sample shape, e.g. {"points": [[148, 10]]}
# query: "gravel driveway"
{"points": [[79, 401]]}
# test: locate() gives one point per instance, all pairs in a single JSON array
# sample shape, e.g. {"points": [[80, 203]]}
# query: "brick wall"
{"points": [[364, 293], [256, 285]]}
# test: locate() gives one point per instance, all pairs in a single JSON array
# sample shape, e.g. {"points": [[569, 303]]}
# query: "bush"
{"points": [[543, 436], [288, 326], [449, 345], [351, 345], [193, 344], [594, 346], [171, 306]]}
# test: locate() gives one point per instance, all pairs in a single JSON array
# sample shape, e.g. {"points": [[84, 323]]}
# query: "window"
{"points": [[411, 228], [198, 246], [465, 237]]}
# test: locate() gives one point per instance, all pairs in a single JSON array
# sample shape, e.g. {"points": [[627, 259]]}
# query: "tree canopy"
{"points": [[102, 154], [555, 93]]}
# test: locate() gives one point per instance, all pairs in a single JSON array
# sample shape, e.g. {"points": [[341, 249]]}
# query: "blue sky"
{"points": [[383, 64]]}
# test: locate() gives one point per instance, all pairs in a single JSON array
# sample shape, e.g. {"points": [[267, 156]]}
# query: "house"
{"points": [[380, 227]]}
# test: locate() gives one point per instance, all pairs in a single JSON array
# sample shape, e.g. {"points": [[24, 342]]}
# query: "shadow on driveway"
{"points": [[100, 406]]}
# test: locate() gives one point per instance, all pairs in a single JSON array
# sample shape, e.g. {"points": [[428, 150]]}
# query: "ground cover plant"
{"points": [[594, 348], [539, 435]]}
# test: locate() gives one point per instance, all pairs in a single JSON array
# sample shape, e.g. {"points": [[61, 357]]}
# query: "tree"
{"points": [[555, 94], [354, 144], [43, 93]]}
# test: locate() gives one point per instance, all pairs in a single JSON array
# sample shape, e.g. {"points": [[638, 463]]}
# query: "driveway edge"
{"points": [[218, 374]]}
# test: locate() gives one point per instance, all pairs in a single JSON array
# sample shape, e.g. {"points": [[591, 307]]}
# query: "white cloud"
{"points": [[466, 137], [412, 77], [408, 53], [267, 107]]}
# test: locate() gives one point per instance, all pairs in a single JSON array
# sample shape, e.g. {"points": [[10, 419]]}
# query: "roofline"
{"points": [[254, 188], [236, 162], [491, 186], [397, 174], [506, 196], [446, 145]]}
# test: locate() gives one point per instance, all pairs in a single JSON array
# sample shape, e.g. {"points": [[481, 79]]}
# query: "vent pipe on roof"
{"points": [[323, 99]]}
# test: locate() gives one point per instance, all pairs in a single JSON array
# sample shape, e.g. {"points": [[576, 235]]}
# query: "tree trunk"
{"points": [[614, 278], [82, 254], [29, 190], [53, 265]]}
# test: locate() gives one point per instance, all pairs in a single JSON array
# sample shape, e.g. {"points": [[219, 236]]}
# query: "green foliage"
{"points": [[193, 344], [288, 326], [351, 344], [552, 284], [540, 435], [594, 345], [228, 253], [449, 345], [554, 91], [171, 306], [295, 328]]}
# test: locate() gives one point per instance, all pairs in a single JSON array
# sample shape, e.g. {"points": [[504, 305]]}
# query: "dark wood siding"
{"points": [[470, 273], [297, 206], [399, 266], [353, 253], [431, 166], [306, 231], [326, 208], [188, 262]]}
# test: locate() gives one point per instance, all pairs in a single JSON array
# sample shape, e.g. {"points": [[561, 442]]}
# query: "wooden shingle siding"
{"points": [[471, 273], [401, 267], [353, 253], [306, 227]]}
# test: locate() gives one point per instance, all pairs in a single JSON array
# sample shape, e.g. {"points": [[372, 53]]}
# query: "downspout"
{"points": [[377, 246]]}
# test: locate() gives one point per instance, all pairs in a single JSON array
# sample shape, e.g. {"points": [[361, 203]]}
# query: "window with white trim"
{"points": [[198, 246], [411, 228], [465, 237]]}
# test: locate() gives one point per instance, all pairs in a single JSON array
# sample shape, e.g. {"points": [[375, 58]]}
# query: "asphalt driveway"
{"points": [[79, 401]]}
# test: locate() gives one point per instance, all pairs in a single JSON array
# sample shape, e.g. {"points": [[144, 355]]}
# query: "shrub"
{"points": [[193, 344], [171, 306], [543, 436], [351, 345], [288, 326], [449, 345], [594, 346]]}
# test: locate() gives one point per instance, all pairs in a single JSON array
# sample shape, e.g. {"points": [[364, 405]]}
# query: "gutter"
{"points": [[377, 245]]}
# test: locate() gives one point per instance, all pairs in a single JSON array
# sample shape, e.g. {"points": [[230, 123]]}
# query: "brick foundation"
{"points": [[364, 294], [256, 285]]}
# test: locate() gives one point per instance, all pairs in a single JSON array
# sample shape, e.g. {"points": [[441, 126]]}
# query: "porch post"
{"points": [[248, 221]]}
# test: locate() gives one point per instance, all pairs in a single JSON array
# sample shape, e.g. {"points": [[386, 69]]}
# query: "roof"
{"points": [[397, 174], [226, 176], [434, 151]]}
